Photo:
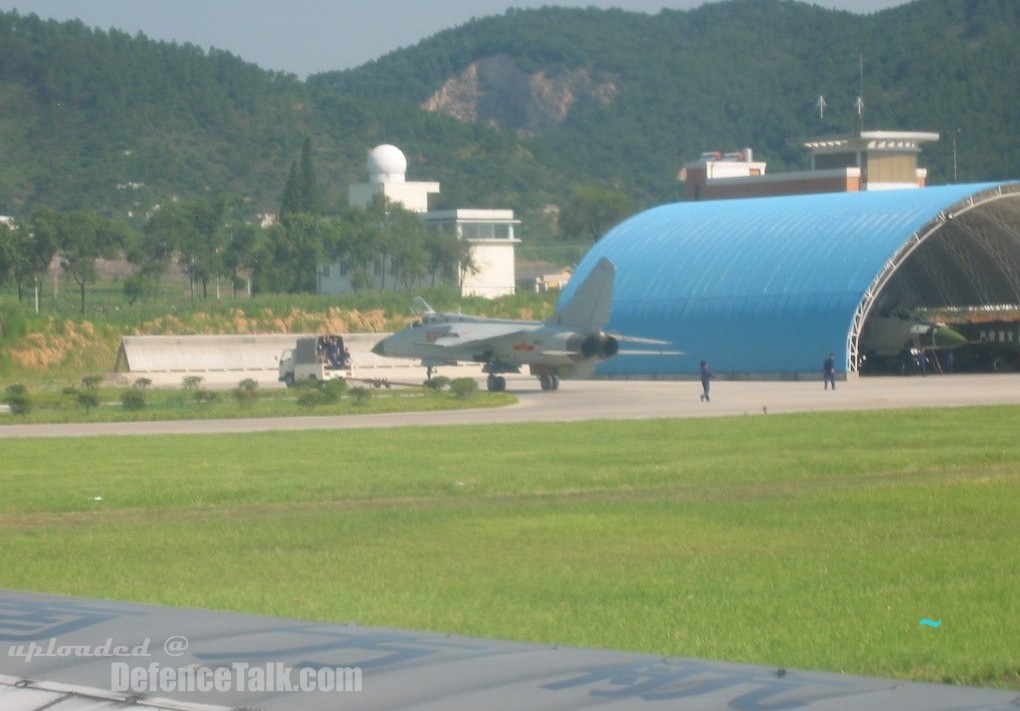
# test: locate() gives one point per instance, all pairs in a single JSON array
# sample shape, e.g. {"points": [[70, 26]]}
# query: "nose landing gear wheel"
{"points": [[495, 384]]}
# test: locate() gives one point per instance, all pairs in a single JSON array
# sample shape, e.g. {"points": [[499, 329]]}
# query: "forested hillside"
{"points": [[106, 119], [511, 111], [664, 88], [119, 123]]}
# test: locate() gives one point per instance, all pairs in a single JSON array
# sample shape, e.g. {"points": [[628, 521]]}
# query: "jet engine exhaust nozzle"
{"points": [[599, 345]]}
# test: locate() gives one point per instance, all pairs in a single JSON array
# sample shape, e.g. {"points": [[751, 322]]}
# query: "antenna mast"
{"points": [[860, 95]]}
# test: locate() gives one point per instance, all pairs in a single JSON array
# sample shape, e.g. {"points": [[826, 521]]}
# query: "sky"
{"points": [[305, 37]]}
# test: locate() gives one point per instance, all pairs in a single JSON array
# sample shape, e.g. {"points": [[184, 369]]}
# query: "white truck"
{"points": [[320, 358]]}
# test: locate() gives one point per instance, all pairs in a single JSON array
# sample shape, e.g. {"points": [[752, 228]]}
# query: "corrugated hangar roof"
{"points": [[769, 286]]}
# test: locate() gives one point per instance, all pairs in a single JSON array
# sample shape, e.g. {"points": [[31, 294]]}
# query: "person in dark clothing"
{"points": [[907, 359], [707, 376], [829, 371]]}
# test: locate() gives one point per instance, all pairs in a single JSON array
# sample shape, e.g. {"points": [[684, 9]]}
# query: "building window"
{"points": [[485, 230]]}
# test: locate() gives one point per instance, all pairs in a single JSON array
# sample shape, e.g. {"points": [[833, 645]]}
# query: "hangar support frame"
{"points": [[946, 219]]}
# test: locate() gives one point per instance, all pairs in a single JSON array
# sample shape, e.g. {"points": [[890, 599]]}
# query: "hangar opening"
{"points": [[966, 259], [766, 287]]}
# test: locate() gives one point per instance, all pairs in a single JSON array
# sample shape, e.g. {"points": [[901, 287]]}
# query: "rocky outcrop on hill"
{"points": [[495, 90]]}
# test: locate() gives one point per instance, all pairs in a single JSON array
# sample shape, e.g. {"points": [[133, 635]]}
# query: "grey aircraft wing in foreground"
{"points": [[72, 654], [568, 345]]}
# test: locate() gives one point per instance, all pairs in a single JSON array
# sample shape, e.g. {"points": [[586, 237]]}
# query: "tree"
{"points": [[356, 246], [241, 253], [301, 192], [311, 200], [8, 251], [154, 252], [194, 232], [591, 212], [449, 256], [201, 245], [290, 203], [35, 247], [84, 237], [397, 241], [409, 259], [289, 259]]}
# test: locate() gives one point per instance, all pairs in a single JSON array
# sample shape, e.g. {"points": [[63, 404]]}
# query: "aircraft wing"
{"points": [[477, 334], [72, 654]]}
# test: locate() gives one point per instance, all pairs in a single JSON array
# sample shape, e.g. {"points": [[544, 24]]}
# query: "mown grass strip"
{"points": [[813, 541], [161, 405]]}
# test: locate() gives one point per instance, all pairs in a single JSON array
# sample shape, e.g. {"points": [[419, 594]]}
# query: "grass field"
{"points": [[162, 404], [814, 541]]}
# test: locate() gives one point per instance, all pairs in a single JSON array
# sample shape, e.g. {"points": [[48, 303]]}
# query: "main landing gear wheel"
{"points": [[549, 382], [495, 384]]}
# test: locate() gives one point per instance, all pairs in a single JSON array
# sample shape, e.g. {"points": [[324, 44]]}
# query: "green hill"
{"points": [[650, 92], [515, 110]]}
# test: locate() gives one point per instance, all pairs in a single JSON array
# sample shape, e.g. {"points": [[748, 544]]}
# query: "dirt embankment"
{"points": [[73, 346]]}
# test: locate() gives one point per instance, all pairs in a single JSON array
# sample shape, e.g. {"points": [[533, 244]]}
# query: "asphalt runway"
{"points": [[608, 400]]}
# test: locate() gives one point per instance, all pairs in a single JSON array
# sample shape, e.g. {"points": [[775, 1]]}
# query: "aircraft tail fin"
{"points": [[589, 308]]}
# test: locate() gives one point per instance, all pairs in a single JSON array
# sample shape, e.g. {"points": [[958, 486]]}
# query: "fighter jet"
{"points": [[886, 336], [892, 343], [567, 345]]}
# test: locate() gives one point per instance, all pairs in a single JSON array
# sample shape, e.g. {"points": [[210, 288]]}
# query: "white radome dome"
{"points": [[386, 164]]}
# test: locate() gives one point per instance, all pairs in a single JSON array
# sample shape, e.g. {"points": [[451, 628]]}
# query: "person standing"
{"points": [[707, 376], [829, 371]]}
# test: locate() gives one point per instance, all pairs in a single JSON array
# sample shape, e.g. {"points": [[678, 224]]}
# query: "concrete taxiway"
{"points": [[609, 400]]}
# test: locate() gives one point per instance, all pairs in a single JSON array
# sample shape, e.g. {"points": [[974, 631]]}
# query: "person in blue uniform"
{"points": [[829, 371], [707, 376]]}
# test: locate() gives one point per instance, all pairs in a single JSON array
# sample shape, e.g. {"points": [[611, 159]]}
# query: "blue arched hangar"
{"points": [[768, 287]]}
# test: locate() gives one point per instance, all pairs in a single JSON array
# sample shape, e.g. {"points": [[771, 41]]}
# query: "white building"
{"points": [[870, 160], [490, 232], [387, 170], [491, 235]]}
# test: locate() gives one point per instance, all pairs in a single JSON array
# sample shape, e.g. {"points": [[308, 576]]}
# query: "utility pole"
{"points": [[860, 94], [955, 131]]}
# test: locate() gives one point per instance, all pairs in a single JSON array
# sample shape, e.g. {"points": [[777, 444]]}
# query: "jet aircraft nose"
{"points": [[946, 337], [380, 348]]}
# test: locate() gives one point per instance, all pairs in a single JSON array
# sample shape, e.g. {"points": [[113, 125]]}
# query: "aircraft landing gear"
{"points": [[549, 382], [495, 383]]}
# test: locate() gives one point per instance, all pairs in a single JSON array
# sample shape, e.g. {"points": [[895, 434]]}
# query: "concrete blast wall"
{"points": [[235, 354]]}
